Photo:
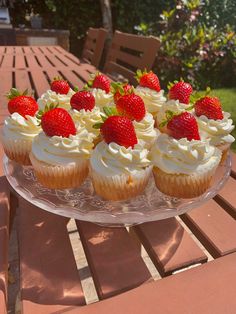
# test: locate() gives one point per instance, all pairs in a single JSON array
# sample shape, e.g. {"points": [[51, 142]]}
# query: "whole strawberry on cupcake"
{"points": [[100, 87], [214, 124], [121, 89], [59, 94], [20, 127], [183, 164], [178, 99], [60, 154], [84, 112], [132, 106], [150, 91], [119, 168]]}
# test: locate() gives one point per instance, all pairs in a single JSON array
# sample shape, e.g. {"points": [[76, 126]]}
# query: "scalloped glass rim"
{"points": [[83, 204]]}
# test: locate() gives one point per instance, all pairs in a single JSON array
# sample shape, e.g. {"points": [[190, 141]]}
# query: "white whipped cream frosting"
{"points": [[102, 98], [145, 131], [183, 156], [172, 105], [58, 150], [86, 119], [51, 97], [153, 100], [113, 159], [218, 131], [17, 127]]}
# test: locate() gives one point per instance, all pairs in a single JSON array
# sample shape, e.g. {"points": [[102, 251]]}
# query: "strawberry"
{"points": [[119, 130], [183, 125], [100, 81], [121, 89], [83, 100], [21, 103], [148, 79], [57, 121], [209, 107], [180, 91], [60, 86], [131, 106]]}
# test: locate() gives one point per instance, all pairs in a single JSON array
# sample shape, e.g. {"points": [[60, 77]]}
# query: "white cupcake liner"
{"points": [[60, 176], [18, 150], [120, 187]]}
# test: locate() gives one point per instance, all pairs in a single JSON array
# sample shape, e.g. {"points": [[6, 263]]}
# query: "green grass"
{"points": [[227, 97]]}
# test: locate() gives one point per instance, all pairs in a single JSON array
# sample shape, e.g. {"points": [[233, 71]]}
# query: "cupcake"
{"points": [[59, 94], [20, 127], [214, 124], [84, 113], [60, 155], [183, 164], [150, 91], [119, 168], [101, 90]]}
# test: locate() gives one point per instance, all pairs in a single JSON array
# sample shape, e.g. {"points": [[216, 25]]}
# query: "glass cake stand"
{"points": [[83, 204]]}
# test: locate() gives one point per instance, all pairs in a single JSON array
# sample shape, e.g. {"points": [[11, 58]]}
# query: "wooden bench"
{"points": [[94, 45], [128, 53], [4, 237]]}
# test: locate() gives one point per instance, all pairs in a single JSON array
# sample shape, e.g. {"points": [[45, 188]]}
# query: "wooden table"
{"points": [[50, 282]]}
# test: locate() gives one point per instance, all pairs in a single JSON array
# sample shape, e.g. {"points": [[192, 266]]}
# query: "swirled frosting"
{"points": [[145, 131], [51, 97], [58, 150], [17, 127], [153, 100], [172, 105], [218, 131], [87, 119], [183, 156], [102, 98], [113, 159]]}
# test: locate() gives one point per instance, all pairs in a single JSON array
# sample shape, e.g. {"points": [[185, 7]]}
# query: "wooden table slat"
{"points": [[169, 246], [73, 79], [20, 61], [40, 82], [214, 227], [233, 172], [7, 61], [114, 259], [227, 197], [48, 275], [22, 81]]}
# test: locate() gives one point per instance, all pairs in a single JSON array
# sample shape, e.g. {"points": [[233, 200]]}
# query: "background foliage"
{"points": [[198, 37]]}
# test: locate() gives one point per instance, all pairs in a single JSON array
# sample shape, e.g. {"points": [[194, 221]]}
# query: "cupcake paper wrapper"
{"points": [[183, 185], [18, 150], [120, 187], [60, 176]]}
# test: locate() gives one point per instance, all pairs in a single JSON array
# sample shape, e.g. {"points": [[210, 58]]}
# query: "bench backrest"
{"points": [[94, 45], [130, 52]]}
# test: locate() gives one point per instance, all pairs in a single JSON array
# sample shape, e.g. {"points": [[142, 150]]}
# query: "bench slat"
{"points": [[213, 227], [227, 197], [48, 272], [207, 289], [169, 246], [114, 259]]}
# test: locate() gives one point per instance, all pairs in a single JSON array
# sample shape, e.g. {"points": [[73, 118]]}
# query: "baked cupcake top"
{"points": [[51, 97], [18, 127], [145, 131], [183, 156], [218, 131], [153, 100], [113, 159], [58, 150]]}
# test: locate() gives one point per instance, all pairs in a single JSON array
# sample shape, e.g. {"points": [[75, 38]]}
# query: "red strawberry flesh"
{"points": [[58, 122], [83, 100], [181, 91], [60, 87], [119, 130], [183, 125], [209, 107], [24, 105], [102, 82], [131, 106]]}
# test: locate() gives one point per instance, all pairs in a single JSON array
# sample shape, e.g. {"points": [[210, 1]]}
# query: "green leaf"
{"points": [[110, 111], [97, 125]]}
